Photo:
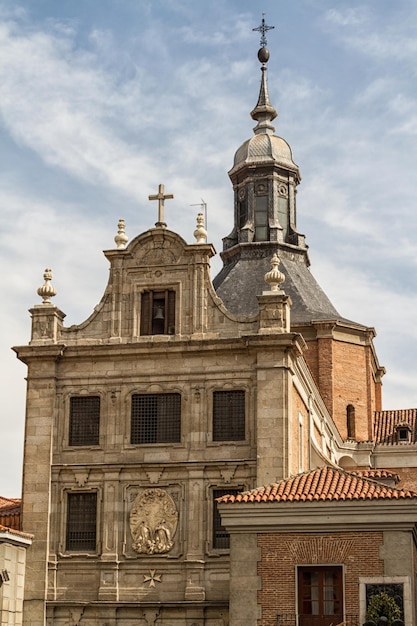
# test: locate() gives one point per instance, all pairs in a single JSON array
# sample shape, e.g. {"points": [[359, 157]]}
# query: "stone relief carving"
{"points": [[81, 478], [282, 190], [154, 476], [153, 522], [158, 256], [261, 188], [227, 473]]}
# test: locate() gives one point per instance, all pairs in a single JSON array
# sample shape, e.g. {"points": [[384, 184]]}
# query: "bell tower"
{"points": [[264, 178], [340, 354]]}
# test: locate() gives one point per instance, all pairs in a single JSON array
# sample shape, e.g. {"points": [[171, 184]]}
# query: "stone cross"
{"points": [[161, 197]]}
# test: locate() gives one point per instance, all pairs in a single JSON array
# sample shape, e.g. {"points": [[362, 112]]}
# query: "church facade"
{"points": [[178, 392]]}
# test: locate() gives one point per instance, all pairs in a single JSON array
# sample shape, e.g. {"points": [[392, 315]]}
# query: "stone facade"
{"points": [[176, 573]]}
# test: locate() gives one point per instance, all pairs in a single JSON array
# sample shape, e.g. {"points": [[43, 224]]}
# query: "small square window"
{"points": [[403, 433], [156, 418], [84, 421]]}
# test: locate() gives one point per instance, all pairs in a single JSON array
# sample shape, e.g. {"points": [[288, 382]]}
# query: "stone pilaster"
{"points": [[36, 492]]}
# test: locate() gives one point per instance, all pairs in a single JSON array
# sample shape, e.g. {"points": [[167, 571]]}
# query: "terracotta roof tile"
{"points": [[325, 483], [9, 502], [376, 474], [10, 509], [387, 422], [13, 531]]}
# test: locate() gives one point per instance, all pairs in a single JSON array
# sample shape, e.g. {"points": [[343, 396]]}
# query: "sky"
{"points": [[101, 101]]}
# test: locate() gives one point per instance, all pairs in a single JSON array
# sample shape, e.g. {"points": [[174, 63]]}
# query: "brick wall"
{"points": [[343, 373], [281, 553], [408, 477]]}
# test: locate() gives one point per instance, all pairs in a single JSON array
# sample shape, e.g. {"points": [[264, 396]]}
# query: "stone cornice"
{"points": [[26, 354], [323, 517]]}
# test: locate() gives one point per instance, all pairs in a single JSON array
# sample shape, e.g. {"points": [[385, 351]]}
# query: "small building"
{"points": [[13, 546], [313, 550]]}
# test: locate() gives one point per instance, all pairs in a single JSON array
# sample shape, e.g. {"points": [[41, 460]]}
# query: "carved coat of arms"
{"points": [[153, 522]]}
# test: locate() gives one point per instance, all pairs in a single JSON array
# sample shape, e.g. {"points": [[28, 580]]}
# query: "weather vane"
{"points": [[263, 28]]}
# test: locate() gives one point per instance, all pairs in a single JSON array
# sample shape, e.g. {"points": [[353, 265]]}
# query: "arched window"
{"points": [[350, 421]]}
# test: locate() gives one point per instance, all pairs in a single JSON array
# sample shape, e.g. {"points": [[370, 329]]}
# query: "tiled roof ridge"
{"points": [[396, 411], [8, 509], [374, 473], [321, 484], [6, 502]]}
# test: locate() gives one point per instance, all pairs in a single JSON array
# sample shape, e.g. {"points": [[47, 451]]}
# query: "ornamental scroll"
{"points": [[153, 522]]}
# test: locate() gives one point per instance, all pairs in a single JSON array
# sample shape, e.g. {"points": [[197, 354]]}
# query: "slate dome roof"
{"points": [[265, 148]]}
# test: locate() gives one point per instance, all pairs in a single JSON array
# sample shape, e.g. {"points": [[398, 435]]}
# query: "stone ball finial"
{"points": [[274, 277], [47, 291], [121, 238], [200, 232], [263, 55]]}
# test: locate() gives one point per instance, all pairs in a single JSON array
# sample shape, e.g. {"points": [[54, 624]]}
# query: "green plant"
{"points": [[382, 605]]}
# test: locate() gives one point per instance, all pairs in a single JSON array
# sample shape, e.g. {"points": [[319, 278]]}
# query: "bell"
{"points": [[159, 315]]}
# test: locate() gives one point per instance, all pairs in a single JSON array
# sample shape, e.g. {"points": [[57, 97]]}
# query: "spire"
{"points": [[264, 112]]}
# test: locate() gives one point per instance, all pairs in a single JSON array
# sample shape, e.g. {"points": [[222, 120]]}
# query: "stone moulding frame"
{"points": [[386, 580]]}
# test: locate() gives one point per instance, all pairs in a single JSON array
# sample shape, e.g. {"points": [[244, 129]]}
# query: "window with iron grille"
{"points": [[84, 422], [229, 415], [81, 532], [157, 312], [156, 418], [221, 538]]}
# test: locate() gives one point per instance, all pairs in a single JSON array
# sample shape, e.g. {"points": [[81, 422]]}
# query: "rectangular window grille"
{"points": [[229, 415], [84, 422], [157, 313], [81, 532], [156, 418], [221, 538]]}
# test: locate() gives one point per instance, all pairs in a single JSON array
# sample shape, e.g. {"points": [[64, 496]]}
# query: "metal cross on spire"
{"points": [[161, 197], [263, 28]]}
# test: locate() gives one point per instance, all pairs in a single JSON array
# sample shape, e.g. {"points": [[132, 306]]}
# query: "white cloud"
{"points": [[58, 102], [346, 17]]}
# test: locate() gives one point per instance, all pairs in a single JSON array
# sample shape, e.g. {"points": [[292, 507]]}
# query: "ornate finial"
{"points": [[200, 232], [121, 238], [274, 277], [161, 197], [263, 28], [47, 291], [264, 112]]}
